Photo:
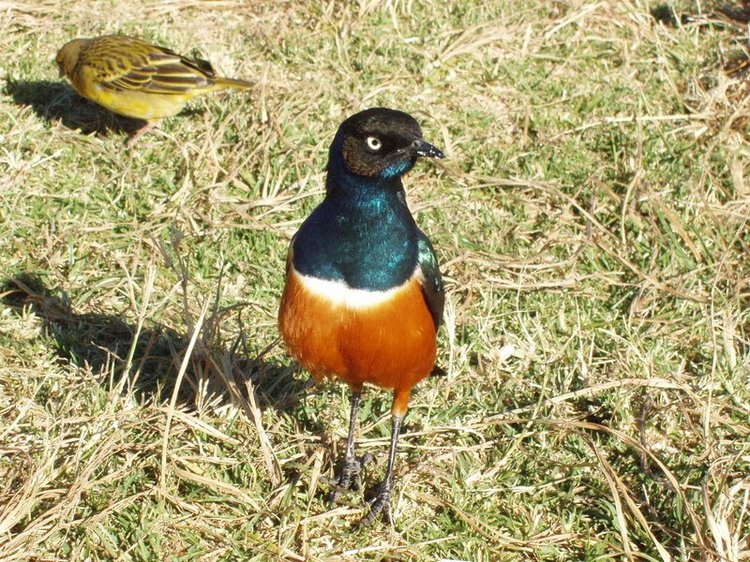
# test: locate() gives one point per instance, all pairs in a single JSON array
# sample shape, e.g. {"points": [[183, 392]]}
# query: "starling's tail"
{"points": [[438, 371]]}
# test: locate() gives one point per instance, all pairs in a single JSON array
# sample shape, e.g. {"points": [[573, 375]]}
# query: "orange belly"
{"points": [[390, 344]]}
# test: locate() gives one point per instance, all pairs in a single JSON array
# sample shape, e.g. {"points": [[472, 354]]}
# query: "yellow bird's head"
{"points": [[67, 56]]}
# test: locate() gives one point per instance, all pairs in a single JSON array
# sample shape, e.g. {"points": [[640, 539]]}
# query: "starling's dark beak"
{"points": [[424, 148]]}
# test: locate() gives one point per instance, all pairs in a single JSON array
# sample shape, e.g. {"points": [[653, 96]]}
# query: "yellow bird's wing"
{"points": [[126, 63]]}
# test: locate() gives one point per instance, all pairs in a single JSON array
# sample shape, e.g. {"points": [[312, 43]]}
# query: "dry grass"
{"points": [[592, 222]]}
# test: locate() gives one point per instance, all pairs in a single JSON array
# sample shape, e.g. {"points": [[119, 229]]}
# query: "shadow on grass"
{"points": [[57, 101], [103, 343]]}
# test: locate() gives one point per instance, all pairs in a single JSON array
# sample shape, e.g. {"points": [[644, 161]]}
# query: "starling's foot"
{"points": [[349, 477], [379, 505]]}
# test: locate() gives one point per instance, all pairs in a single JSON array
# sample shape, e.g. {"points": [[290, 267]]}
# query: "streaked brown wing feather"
{"points": [[126, 63]]}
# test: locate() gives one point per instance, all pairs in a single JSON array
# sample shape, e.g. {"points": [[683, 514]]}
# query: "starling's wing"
{"points": [[432, 283], [126, 63]]}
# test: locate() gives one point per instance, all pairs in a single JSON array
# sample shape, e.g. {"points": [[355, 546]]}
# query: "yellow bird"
{"points": [[137, 79]]}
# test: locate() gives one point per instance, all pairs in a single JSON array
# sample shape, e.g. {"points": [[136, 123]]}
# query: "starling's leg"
{"points": [[381, 504], [349, 477]]}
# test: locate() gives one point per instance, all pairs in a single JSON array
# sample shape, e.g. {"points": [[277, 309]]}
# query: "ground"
{"points": [[591, 220]]}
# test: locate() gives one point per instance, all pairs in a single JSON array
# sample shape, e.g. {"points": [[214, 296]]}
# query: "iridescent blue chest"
{"points": [[362, 234]]}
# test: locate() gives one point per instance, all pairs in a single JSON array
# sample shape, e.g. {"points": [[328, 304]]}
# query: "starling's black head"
{"points": [[381, 143]]}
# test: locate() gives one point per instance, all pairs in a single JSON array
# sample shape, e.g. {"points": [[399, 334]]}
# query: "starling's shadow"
{"points": [[148, 365], [57, 101]]}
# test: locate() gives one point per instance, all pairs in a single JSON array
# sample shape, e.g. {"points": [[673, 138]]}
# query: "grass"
{"points": [[592, 225]]}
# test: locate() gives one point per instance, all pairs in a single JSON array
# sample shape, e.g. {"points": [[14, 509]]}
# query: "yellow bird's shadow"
{"points": [[57, 101]]}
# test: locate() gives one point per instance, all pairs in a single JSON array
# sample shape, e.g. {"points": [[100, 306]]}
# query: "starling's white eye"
{"points": [[374, 143]]}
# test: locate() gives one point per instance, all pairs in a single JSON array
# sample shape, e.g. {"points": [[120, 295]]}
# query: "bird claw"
{"points": [[380, 504], [349, 477]]}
